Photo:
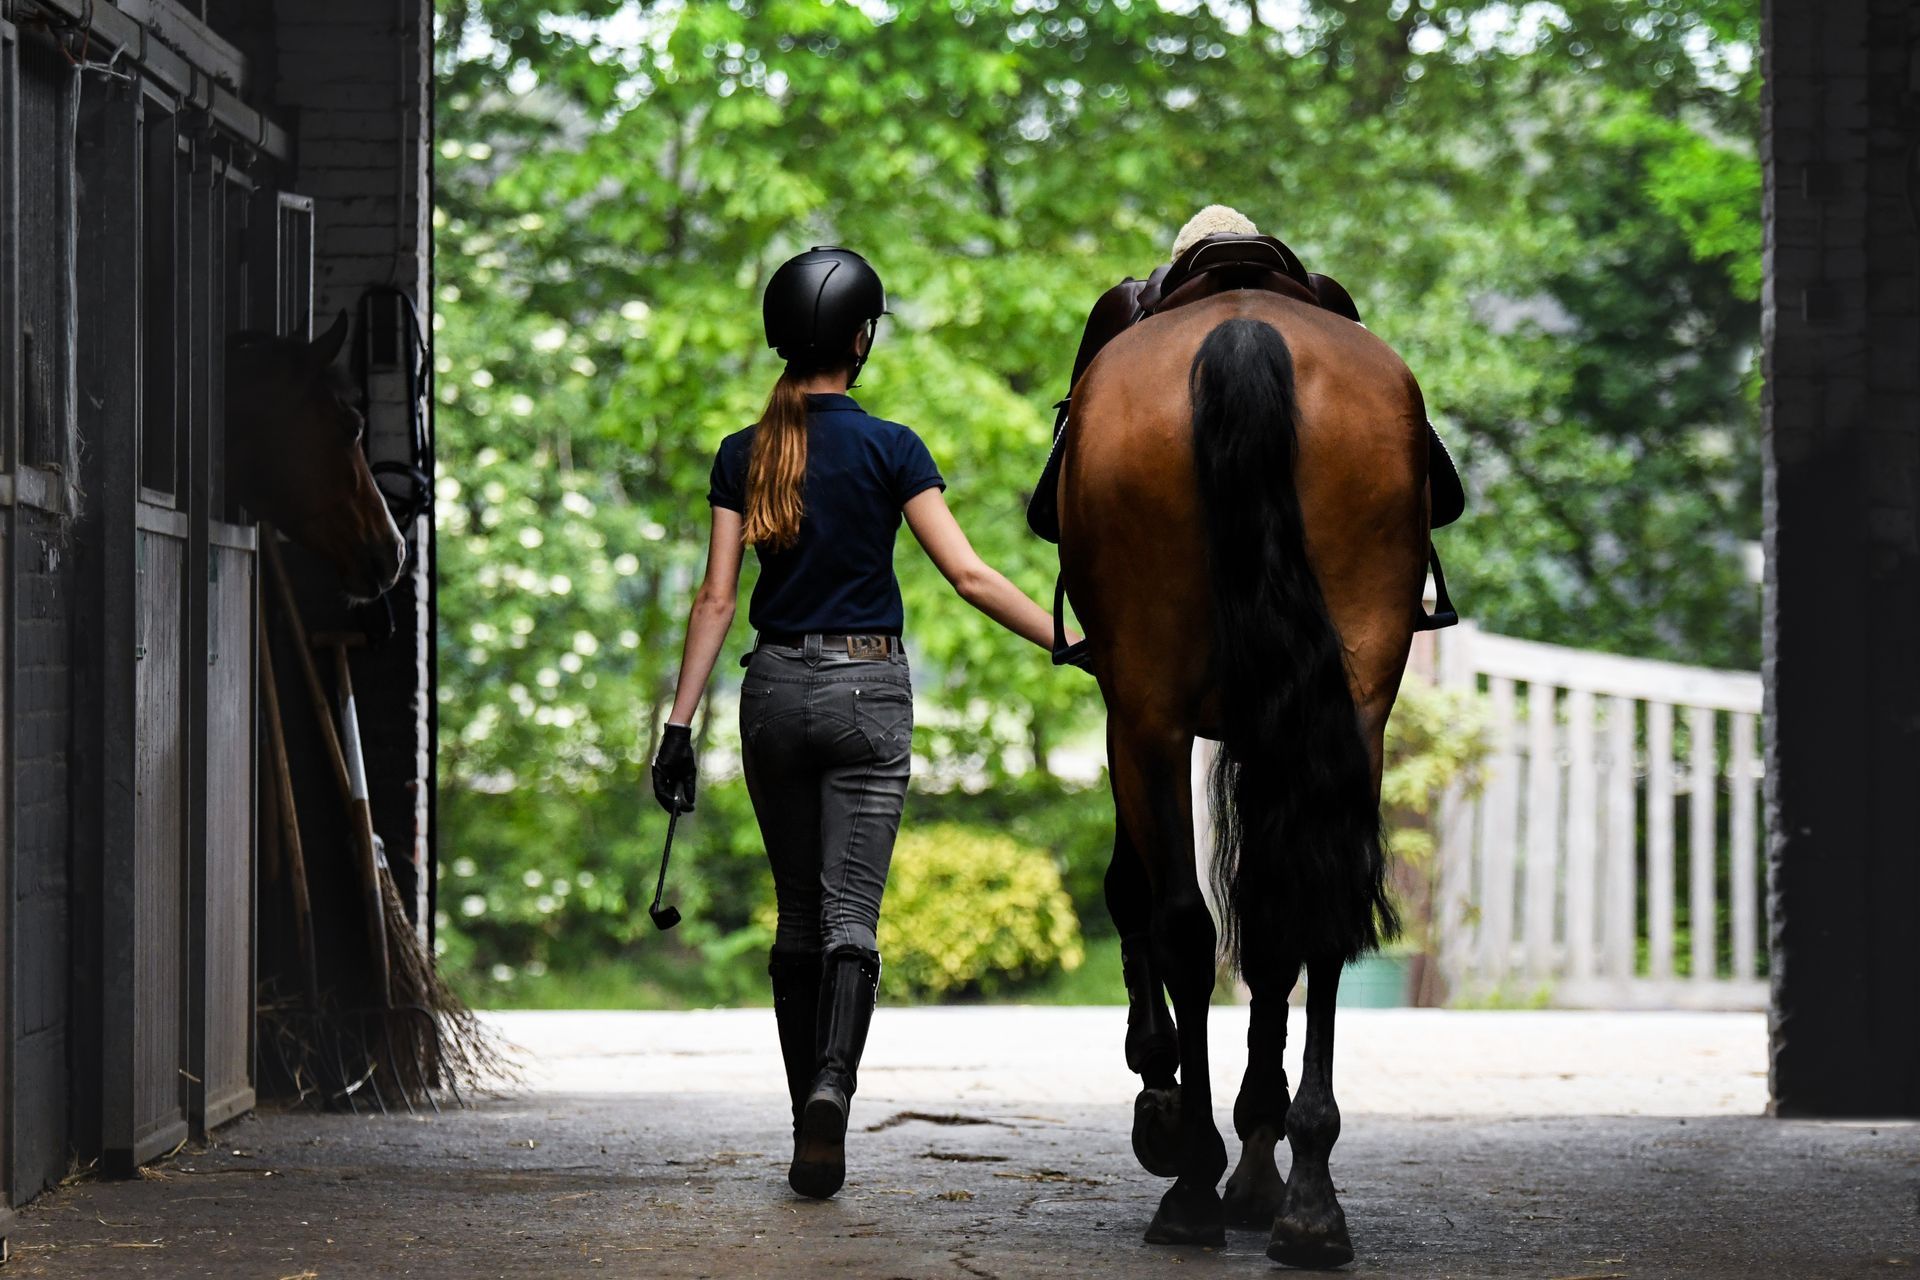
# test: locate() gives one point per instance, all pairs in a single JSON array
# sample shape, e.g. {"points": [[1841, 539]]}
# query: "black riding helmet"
{"points": [[817, 301]]}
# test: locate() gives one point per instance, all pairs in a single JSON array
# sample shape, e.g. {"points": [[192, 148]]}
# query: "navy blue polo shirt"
{"points": [[838, 576]]}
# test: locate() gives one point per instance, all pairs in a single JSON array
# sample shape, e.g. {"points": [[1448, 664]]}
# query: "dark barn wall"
{"points": [[37, 658], [1842, 403], [126, 619], [42, 659], [356, 77]]}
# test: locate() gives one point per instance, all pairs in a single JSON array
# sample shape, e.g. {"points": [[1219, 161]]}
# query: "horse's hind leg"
{"points": [[1153, 1053], [1256, 1191], [1311, 1229], [1150, 771]]}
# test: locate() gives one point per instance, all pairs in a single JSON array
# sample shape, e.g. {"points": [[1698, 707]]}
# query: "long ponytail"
{"points": [[777, 468]]}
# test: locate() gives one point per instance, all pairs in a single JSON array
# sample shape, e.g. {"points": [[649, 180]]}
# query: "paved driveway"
{"points": [[992, 1143], [1408, 1062]]}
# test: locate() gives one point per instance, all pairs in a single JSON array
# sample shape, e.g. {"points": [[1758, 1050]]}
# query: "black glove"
{"points": [[673, 770]]}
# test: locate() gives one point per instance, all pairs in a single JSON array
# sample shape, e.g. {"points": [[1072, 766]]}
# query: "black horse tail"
{"points": [[1298, 857]]}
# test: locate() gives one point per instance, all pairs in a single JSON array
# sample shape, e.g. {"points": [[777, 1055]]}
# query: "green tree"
{"points": [[1552, 213]]}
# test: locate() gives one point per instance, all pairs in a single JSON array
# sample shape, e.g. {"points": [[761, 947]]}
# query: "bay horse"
{"points": [[294, 457], [1244, 530]]}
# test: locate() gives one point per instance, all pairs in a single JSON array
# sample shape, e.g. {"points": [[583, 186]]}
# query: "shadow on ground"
{"points": [[645, 1185]]}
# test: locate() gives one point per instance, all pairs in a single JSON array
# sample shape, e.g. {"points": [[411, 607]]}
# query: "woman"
{"points": [[818, 488]]}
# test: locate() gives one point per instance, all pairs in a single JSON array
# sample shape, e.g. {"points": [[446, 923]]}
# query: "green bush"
{"points": [[1072, 821], [969, 911], [1435, 738]]}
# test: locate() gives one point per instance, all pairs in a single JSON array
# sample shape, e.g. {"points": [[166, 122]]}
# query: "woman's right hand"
{"points": [[674, 768]]}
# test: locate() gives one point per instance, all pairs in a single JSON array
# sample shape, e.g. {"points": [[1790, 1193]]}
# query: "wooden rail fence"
{"points": [[1611, 857]]}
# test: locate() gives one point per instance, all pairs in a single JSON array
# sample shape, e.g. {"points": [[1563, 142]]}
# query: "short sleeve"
{"points": [[913, 469], [726, 486]]}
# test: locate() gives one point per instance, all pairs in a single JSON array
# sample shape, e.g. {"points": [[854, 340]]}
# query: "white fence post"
{"points": [[1501, 836], [1583, 832], [1746, 893], [1543, 830], [1622, 877], [1703, 843], [1660, 900]]}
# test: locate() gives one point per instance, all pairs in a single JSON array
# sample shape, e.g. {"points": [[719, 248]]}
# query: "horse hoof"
{"points": [[1252, 1207], [1256, 1191], [1311, 1241], [1156, 1131], [1188, 1215], [1323, 1256]]}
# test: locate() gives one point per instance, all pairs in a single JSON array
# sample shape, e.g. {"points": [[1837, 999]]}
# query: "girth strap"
{"points": [[1064, 654]]}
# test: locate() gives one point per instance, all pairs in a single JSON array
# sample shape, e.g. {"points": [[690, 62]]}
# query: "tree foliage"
{"points": [[1550, 210]]}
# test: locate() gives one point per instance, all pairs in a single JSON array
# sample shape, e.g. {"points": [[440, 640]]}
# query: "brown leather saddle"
{"points": [[1219, 264]]}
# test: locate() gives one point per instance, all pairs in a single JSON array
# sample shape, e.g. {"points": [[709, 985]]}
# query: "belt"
{"points": [[854, 646]]}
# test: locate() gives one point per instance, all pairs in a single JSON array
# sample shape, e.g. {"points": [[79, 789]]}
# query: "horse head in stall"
{"points": [[295, 460]]}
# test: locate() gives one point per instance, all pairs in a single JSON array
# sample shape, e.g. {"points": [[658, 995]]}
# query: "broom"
{"points": [[427, 1036]]}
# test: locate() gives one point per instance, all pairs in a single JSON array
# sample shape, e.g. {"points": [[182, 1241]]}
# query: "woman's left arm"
{"points": [[711, 616], [976, 581]]}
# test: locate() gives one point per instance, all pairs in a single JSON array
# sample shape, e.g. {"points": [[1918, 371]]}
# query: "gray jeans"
{"points": [[826, 742]]}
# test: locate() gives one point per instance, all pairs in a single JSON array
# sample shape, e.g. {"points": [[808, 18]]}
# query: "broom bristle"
{"points": [[427, 1042], [450, 1046]]}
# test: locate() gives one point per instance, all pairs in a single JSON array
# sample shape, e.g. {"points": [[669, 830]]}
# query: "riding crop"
{"points": [[665, 918]]}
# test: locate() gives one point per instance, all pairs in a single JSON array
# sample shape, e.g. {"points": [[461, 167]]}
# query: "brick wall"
{"points": [[1842, 408], [353, 79], [42, 724]]}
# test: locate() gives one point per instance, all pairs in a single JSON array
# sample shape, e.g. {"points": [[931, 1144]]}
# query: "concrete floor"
{"points": [[993, 1142]]}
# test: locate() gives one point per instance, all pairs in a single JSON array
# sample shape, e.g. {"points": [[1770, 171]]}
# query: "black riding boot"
{"points": [[849, 982], [796, 1011]]}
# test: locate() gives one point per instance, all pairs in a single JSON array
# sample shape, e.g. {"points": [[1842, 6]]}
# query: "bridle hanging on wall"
{"points": [[394, 344]]}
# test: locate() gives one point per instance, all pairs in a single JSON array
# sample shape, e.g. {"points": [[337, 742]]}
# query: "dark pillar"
{"points": [[1842, 406], [357, 75]]}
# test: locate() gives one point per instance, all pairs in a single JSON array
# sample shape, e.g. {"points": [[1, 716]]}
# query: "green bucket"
{"points": [[1377, 981]]}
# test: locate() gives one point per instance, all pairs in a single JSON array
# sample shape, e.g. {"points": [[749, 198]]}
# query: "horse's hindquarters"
{"points": [[1132, 540], [1131, 543]]}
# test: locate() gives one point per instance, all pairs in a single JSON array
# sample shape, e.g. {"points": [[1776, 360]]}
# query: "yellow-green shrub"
{"points": [[1435, 737], [969, 911]]}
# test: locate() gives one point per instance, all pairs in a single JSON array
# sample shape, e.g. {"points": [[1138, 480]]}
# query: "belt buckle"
{"points": [[869, 648]]}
